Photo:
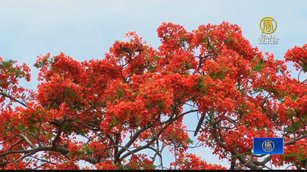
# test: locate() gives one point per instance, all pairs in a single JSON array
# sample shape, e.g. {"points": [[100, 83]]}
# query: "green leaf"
{"points": [[294, 97], [67, 127], [32, 129], [201, 86], [87, 150], [217, 75], [7, 64], [187, 65], [259, 66], [114, 121], [190, 141], [229, 40], [21, 127]]}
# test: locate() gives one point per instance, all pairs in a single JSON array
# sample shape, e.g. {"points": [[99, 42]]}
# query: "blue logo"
{"points": [[268, 146]]}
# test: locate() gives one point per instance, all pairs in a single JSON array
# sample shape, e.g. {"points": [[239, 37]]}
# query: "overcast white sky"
{"points": [[86, 29]]}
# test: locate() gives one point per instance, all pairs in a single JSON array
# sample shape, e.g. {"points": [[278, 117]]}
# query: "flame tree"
{"points": [[111, 112]]}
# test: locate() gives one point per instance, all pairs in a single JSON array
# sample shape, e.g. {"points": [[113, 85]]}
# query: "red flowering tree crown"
{"points": [[125, 110]]}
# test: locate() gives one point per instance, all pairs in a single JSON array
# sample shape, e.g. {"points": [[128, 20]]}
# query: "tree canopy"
{"points": [[111, 112]]}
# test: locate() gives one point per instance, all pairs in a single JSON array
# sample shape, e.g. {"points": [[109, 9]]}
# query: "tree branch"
{"points": [[13, 99], [136, 135], [201, 120], [35, 150], [27, 140], [158, 134]]}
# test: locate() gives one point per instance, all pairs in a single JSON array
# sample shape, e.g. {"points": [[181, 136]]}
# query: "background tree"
{"points": [[107, 112]]}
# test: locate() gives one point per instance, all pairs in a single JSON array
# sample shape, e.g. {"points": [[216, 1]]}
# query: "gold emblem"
{"points": [[268, 25]]}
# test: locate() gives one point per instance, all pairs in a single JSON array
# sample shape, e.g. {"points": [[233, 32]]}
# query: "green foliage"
{"points": [[120, 93], [201, 86], [190, 141], [259, 66], [217, 75]]}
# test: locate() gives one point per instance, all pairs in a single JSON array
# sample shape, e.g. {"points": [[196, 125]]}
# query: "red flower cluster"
{"points": [[299, 56], [193, 162], [106, 165]]}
